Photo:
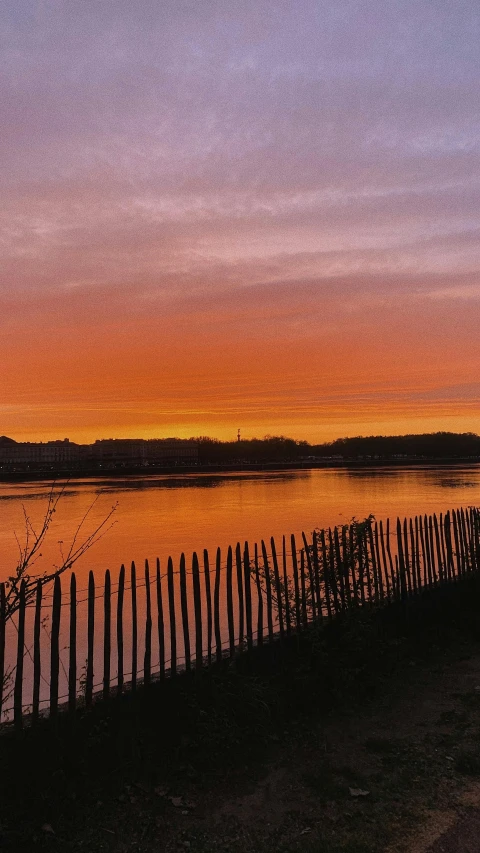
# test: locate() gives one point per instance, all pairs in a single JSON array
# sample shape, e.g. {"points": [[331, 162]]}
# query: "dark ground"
{"points": [[356, 745]]}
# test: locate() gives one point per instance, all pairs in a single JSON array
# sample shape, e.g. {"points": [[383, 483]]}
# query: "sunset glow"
{"points": [[260, 214]]}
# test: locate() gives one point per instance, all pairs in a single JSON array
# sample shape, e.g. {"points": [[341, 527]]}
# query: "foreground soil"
{"points": [[399, 773]]}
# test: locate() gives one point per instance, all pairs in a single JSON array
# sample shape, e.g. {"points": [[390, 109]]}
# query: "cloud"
{"points": [[465, 292]]}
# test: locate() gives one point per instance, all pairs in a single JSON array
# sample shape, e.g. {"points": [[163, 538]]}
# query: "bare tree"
{"points": [[30, 549]]}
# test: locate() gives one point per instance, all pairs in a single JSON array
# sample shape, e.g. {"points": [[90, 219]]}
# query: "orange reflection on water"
{"points": [[162, 516]]}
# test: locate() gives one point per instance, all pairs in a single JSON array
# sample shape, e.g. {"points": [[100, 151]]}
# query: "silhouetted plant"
{"points": [[336, 564], [24, 576], [34, 538]]}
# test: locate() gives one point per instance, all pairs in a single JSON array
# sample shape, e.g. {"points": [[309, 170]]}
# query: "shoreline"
{"points": [[182, 470]]}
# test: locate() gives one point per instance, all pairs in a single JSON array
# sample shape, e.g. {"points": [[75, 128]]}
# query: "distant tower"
{"points": [[238, 435]]}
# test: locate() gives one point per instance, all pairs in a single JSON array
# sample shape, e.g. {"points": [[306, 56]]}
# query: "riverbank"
{"points": [[182, 470]]}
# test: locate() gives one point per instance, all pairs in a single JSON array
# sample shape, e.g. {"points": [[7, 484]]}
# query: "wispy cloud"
{"points": [[241, 192]]}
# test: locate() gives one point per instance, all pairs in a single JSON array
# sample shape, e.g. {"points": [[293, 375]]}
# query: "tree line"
{"points": [[272, 448]]}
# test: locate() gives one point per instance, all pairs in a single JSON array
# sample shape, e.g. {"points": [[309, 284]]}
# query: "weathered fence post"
{"points": [[241, 606], [286, 587], [121, 590], [278, 587], [18, 687], [303, 588], [197, 604], [248, 595], [90, 639], [160, 623], [268, 587], [259, 600], [231, 633], [36, 652], [133, 582], [172, 620], [326, 582], [55, 646], [72, 655], [208, 599], [298, 619], [184, 609], [311, 578], [147, 659], [107, 619], [216, 607]]}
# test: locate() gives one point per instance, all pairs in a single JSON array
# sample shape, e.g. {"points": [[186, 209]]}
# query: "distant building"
{"points": [[162, 451], [104, 454], [37, 455], [122, 452]]}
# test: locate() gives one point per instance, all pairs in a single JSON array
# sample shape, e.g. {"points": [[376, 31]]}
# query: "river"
{"points": [[161, 516]]}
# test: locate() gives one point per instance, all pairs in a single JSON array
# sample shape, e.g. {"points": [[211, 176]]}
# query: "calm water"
{"points": [[162, 516]]}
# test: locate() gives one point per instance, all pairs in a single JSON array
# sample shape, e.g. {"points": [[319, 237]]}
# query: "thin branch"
{"points": [[30, 552]]}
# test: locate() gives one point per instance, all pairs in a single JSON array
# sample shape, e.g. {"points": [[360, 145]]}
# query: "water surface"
{"points": [[164, 515]]}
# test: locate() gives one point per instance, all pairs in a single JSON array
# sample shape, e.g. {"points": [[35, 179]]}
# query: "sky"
{"points": [[253, 214]]}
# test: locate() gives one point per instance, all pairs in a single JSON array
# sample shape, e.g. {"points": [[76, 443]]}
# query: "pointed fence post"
{"points": [[72, 654], [410, 584], [278, 587], [133, 582], [248, 595], [379, 532], [121, 592], [296, 584], [333, 579], [90, 640], [340, 567], [229, 581], [311, 577], [426, 574], [160, 624], [395, 587], [326, 573], [208, 598], [259, 600], [55, 646], [458, 555], [448, 547], [197, 604], [147, 658], [172, 619], [37, 666], [303, 589], [413, 557], [286, 588], [184, 609], [268, 588], [107, 641], [241, 606], [18, 687], [216, 607], [432, 548], [378, 562], [401, 560]]}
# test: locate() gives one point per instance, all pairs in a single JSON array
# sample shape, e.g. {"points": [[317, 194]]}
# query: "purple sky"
{"points": [[265, 214]]}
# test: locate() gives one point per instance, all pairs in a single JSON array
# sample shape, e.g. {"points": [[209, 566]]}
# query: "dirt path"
{"points": [[401, 775], [401, 770]]}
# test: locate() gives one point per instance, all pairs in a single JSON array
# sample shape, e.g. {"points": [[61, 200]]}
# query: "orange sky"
{"points": [[215, 217]]}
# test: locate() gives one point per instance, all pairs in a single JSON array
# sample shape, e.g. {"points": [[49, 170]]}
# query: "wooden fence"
{"points": [[192, 619]]}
